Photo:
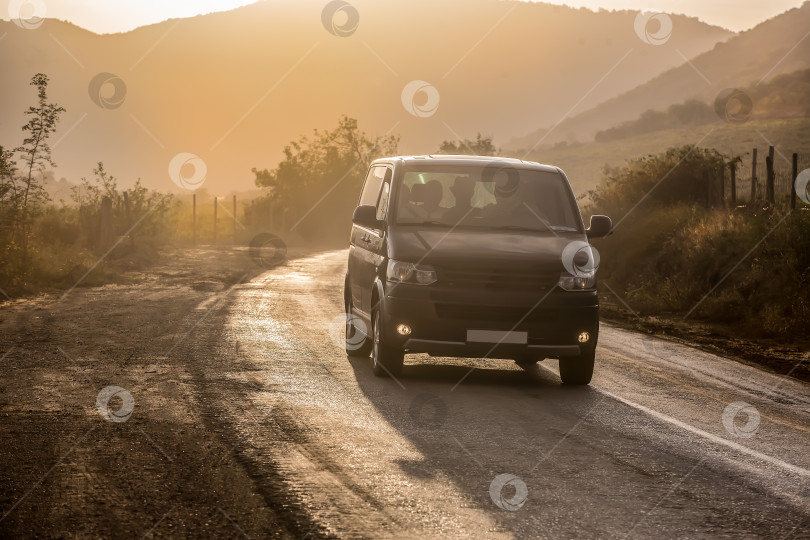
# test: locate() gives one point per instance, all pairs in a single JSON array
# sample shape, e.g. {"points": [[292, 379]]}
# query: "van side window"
{"points": [[382, 206], [371, 189]]}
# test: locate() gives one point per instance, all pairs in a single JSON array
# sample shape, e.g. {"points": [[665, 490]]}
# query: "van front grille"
{"points": [[505, 316], [498, 280]]}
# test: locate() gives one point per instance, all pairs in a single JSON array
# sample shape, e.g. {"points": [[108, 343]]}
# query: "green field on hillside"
{"points": [[584, 162]]}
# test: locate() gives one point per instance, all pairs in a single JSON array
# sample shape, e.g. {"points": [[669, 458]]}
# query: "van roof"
{"points": [[450, 159]]}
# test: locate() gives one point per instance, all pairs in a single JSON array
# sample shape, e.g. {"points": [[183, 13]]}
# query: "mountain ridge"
{"points": [[726, 65], [234, 87]]}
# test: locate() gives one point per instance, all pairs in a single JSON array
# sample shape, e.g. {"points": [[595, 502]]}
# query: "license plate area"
{"points": [[497, 336]]}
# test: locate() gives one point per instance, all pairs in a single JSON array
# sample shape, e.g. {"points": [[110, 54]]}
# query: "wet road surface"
{"points": [[666, 441]]}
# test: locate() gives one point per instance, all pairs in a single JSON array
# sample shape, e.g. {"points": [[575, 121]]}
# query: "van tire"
{"points": [[527, 361], [577, 370], [354, 347], [387, 360]]}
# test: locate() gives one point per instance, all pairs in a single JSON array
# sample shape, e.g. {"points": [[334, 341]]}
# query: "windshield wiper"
{"points": [[513, 228], [428, 223], [546, 223]]}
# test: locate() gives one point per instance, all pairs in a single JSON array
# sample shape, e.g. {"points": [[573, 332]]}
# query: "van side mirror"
{"points": [[601, 226], [365, 215]]}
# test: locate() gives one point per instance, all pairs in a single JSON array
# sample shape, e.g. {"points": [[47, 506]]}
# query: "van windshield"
{"points": [[497, 196]]}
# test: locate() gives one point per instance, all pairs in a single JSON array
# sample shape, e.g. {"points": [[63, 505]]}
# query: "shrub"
{"points": [[669, 254]]}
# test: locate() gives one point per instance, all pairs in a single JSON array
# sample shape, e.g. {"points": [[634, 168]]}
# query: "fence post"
{"points": [[234, 219], [105, 224], [722, 201], [128, 221], [215, 221], [769, 188], [771, 181], [707, 179], [733, 172], [793, 181], [754, 175], [193, 219]]}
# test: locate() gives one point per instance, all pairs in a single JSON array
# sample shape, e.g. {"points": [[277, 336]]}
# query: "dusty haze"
{"points": [[274, 65]]}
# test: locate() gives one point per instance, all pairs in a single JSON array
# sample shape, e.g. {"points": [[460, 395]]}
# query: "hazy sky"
{"points": [[121, 15]]}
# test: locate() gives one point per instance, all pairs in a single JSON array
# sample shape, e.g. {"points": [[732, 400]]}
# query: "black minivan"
{"points": [[472, 256]]}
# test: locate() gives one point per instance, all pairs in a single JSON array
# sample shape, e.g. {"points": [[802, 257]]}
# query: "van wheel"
{"points": [[527, 361], [387, 360], [577, 370], [358, 342]]}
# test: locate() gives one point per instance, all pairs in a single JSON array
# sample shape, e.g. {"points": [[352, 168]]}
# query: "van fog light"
{"points": [[583, 337], [403, 329]]}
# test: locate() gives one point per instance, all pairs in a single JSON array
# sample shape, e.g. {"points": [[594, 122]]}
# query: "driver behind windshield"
{"points": [[462, 190], [423, 203], [508, 198]]}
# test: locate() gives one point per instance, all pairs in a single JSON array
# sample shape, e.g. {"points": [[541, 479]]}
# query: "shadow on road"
{"points": [[500, 419], [425, 370]]}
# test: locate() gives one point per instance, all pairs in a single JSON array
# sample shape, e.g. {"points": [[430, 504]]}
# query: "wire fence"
{"points": [[751, 177]]}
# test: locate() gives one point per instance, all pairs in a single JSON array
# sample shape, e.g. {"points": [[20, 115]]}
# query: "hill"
{"points": [[234, 87], [585, 162], [786, 96], [776, 46]]}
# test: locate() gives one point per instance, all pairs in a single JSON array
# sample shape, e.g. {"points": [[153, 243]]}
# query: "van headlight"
{"points": [[405, 272], [577, 283]]}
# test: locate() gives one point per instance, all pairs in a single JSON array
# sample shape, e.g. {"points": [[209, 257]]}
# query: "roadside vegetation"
{"points": [[44, 244], [585, 162], [481, 146], [672, 255], [316, 185], [96, 230]]}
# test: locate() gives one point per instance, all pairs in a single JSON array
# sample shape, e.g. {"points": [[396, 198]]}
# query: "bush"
{"points": [[669, 255], [678, 175], [689, 113], [301, 190], [65, 241]]}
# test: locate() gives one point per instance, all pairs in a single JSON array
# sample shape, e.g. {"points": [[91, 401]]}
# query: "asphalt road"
{"points": [[247, 418], [667, 441]]}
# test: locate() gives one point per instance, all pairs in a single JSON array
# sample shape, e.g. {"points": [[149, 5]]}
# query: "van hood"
{"points": [[439, 247]]}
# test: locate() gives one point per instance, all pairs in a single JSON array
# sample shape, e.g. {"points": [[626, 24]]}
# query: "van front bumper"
{"points": [[439, 320]]}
